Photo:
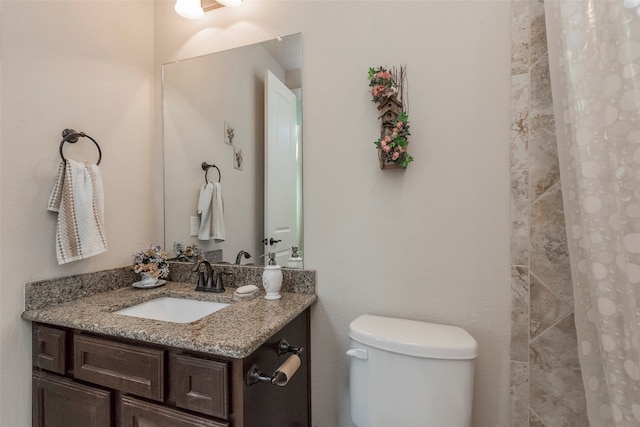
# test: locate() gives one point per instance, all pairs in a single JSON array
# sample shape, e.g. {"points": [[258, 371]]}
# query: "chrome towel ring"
{"points": [[71, 136], [206, 167]]}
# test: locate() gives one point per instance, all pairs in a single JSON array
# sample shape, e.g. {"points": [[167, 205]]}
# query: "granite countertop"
{"points": [[235, 331]]}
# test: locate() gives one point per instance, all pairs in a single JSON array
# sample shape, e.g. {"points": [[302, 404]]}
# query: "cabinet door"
{"points": [[199, 385], [60, 402], [138, 413], [49, 348], [267, 405]]}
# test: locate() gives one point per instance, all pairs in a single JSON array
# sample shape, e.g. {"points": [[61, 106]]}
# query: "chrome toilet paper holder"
{"points": [[283, 373], [284, 347]]}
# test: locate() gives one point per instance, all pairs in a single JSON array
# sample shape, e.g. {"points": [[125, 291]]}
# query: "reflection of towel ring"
{"points": [[205, 168], [71, 136]]}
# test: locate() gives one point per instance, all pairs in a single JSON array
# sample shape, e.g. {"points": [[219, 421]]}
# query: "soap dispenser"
{"points": [[295, 261], [272, 278]]}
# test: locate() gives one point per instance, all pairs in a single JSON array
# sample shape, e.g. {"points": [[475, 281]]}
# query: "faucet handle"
{"points": [[219, 285]]}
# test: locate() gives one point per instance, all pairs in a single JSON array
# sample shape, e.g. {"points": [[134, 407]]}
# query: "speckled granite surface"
{"points": [[55, 291], [235, 331], [44, 293]]}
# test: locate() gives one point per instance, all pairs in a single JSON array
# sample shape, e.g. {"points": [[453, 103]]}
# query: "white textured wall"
{"points": [[431, 243], [81, 64]]}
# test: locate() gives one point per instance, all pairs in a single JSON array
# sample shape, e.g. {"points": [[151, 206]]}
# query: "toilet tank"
{"points": [[410, 373]]}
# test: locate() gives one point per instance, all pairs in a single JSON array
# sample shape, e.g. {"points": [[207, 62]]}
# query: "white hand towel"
{"points": [[204, 210], [78, 198], [219, 232], [210, 208]]}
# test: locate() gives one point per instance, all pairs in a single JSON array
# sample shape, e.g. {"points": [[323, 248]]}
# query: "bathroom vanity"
{"points": [[97, 368]]}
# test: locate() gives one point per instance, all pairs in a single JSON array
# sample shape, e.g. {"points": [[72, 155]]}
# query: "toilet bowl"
{"points": [[409, 373]]}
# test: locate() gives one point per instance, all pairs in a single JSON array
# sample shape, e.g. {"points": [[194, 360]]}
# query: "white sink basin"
{"points": [[176, 310]]}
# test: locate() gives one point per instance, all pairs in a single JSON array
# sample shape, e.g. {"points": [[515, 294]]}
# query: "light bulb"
{"points": [[190, 9], [230, 3]]}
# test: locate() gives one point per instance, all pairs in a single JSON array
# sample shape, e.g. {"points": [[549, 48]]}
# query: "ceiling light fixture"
{"points": [[230, 3], [190, 9], [195, 9]]}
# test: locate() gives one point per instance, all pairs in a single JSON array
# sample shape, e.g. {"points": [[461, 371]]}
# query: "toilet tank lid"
{"points": [[414, 338]]}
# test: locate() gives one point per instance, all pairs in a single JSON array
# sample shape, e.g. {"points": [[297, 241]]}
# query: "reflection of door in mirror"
{"points": [[281, 166]]}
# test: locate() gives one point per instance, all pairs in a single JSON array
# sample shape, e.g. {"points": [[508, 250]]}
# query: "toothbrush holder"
{"points": [[272, 281]]}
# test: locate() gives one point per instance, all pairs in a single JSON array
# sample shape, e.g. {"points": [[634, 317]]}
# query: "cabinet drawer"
{"points": [[199, 385], [135, 413], [58, 401], [124, 367], [49, 348]]}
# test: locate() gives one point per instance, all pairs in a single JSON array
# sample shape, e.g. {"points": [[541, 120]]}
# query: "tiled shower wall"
{"points": [[546, 387]]}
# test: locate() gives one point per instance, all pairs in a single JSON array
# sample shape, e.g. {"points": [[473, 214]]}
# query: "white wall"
{"points": [[81, 64], [430, 243]]}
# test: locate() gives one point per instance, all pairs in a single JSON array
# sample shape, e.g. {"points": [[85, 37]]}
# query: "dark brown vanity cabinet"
{"points": [[82, 379]]}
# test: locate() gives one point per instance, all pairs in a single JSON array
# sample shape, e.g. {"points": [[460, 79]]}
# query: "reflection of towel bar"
{"points": [[71, 136], [205, 168]]}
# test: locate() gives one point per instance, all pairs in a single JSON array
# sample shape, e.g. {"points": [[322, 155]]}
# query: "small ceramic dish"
{"points": [[139, 285]]}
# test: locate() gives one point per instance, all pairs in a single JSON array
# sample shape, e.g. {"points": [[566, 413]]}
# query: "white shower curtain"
{"points": [[594, 59]]}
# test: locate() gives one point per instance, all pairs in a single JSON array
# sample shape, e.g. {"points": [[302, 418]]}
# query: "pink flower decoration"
{"points": [[399, 125], [386, 148], [387, 138], [395, 155], [383, 143]]}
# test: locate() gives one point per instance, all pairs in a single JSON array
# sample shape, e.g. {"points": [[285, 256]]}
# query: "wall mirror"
{"points": [[239, 110]]}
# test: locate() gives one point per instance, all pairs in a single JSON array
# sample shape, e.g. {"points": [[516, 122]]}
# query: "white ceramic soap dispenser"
{"points": [[295, 261], [272, 278]]}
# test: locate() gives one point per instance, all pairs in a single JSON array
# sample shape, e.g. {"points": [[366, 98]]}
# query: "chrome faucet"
{"points": [[247, 255]]}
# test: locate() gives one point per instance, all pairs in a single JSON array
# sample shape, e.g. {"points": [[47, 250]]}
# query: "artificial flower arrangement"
{"points": [[152, 261], [394, 145], [386, 86], [382, 83], [186, 253]]}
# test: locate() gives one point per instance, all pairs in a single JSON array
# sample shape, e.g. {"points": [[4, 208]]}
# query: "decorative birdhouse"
{"points": [[389, 110], [386, 86]]}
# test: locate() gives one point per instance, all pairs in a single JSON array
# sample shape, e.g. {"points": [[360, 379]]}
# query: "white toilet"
{"points": [[406, 373]]}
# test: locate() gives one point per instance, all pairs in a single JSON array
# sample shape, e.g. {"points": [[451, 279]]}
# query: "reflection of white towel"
{"points": [[219, 232], [204, 209], [78, 197], [210, 208]]}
